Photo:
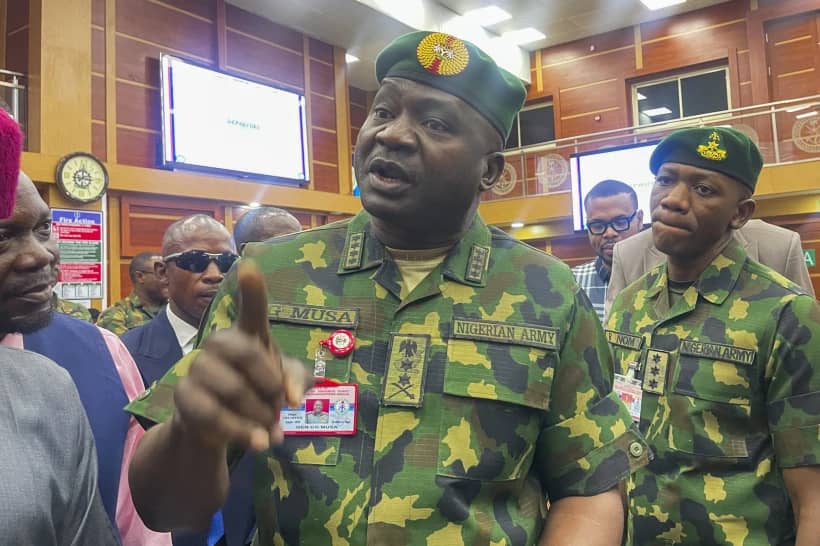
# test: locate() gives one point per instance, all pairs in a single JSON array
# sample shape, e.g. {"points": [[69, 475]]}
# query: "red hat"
{"points": [[11, 145]]}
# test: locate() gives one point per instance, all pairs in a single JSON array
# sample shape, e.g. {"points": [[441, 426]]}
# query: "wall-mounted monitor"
{"points": [[216, 122], [629, 164]]}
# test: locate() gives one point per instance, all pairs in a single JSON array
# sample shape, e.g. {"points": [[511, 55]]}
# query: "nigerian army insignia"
{"points": [[712, 150], [406, 370], [654, 378], [442, 54]]}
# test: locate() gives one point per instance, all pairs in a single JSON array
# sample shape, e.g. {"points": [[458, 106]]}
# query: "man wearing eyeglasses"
{"points": [[612, 215], [145, 300]]}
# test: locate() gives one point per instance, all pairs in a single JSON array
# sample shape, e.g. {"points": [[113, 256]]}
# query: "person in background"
{"points": [[104, 374], [262, 223], [484, 379], [197, 253], [773, 246], [48, 473], [720, 356], [612, 215], [148, 295], [70, 308]]}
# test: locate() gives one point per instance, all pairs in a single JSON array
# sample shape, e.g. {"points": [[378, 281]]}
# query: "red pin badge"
{"points": [[340, 343]]}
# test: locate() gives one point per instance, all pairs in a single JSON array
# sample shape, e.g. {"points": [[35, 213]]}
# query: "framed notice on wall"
{"points": [[79, 239]]}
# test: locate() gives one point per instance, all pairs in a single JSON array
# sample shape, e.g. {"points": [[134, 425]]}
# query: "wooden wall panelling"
{"points": [[3, 19], [241, 21], [145, 219], [264, 61], [161, 24], [343, 142], [358, 112], [115, 283], [16, 36]]}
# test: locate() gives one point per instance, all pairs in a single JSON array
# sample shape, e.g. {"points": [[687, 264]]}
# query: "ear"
{"points": [[493, 167], [743, 214], [161, 270], [639, 219], [139, 277]]}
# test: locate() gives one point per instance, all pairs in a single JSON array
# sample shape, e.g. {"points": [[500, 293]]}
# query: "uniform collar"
{"points": [[715, 283], [466, 263]]}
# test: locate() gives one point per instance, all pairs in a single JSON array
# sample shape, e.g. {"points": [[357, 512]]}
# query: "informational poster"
{"points": [[79, 238]]}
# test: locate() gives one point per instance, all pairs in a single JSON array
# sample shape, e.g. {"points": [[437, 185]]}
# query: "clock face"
{"points": [[82, 177]]}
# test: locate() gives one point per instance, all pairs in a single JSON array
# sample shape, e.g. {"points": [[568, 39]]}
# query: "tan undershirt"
{"points": [[416, 265]]}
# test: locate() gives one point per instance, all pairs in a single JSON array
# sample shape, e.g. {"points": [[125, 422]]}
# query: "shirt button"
{"points": [[636, 449]]}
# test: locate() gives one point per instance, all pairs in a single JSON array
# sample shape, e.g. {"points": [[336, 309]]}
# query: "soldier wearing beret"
{"points": [[484, 381], [719, 359]]}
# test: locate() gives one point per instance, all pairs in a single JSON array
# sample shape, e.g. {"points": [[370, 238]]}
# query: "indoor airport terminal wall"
{"points": [[86, 76]]}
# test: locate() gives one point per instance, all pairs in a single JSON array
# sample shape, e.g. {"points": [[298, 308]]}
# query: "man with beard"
{"points": [[48, 466], [147, 297], [720, 357], [612, 215], [104, 373], [478, 373]]}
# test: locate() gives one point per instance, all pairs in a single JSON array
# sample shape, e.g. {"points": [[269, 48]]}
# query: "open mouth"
{"points": [[388, 172]]}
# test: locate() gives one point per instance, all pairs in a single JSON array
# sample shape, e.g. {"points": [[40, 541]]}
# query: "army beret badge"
{"points": [[712, 150], [442, 54]]}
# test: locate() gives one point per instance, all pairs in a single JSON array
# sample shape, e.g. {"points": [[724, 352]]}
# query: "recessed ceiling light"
{"points": [[658, 4], [523, 36], [350, 58], [254, 205], [487, 16], [641, 96], [653, 112], [517, 225], [806, 115]]}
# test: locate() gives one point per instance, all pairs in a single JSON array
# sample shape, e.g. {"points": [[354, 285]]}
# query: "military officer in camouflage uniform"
{"points": [[146, 299], [70, 308], [484, 378], [720, 358]]}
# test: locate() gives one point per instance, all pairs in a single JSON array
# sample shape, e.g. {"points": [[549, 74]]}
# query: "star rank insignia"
{"points": [[654, 379], [353, 252], [406, 370], [477, 263]]}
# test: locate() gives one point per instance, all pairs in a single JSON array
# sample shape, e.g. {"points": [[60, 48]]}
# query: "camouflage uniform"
{"points": [[517, 400], [70, 308], [731, 396], [126, 314]]}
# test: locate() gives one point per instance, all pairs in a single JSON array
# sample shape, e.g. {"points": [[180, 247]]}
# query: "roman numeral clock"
{"points": [[81, 177]]}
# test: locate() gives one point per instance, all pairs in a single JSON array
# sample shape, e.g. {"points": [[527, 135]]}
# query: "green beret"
{"points": [[721, 149], [456, 67]]}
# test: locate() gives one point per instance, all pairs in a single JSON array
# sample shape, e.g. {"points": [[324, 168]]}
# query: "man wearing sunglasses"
{"points": [[612, 216], [197, 252]]}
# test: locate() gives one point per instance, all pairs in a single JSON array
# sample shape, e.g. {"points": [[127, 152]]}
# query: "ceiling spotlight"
{"points": [[653, 112], [658, 4], [523, 36], [254, 205], [350, 58], [517, 225]]}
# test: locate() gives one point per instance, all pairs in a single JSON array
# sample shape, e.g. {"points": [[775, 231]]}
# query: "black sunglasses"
{"points": [[619, 224], [197, 261]]}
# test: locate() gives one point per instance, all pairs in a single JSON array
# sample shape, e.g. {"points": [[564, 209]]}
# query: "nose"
{"points": [[396, 134], [610, 232], [676, 198], [34, 255], [212, 275]]}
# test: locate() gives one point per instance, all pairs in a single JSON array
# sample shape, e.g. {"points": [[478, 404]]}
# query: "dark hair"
{"points": [[138, 262], [608, 188]]}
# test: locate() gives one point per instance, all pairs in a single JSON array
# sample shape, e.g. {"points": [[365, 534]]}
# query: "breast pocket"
{"points": [[711, 408], [492, 408]]}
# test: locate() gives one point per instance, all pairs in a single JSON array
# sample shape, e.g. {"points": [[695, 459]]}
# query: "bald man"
{"points": [[197, 251], [260, 224]]}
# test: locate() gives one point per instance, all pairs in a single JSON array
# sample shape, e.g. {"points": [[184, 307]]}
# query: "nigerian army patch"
{"points": [[717, 351], [654, 378], [406, 370]]}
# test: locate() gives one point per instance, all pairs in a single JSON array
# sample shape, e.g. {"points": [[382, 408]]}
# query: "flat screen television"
{"points": [[629, 164], [216, 122]]}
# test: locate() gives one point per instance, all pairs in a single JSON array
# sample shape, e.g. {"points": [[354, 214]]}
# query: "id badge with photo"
{"points": [[630, 392], [328, 409]]}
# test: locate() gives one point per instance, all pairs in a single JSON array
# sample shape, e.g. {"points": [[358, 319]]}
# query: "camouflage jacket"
{"points": [[731, 396], [485, 390], [126, 314], [70, 308]]}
